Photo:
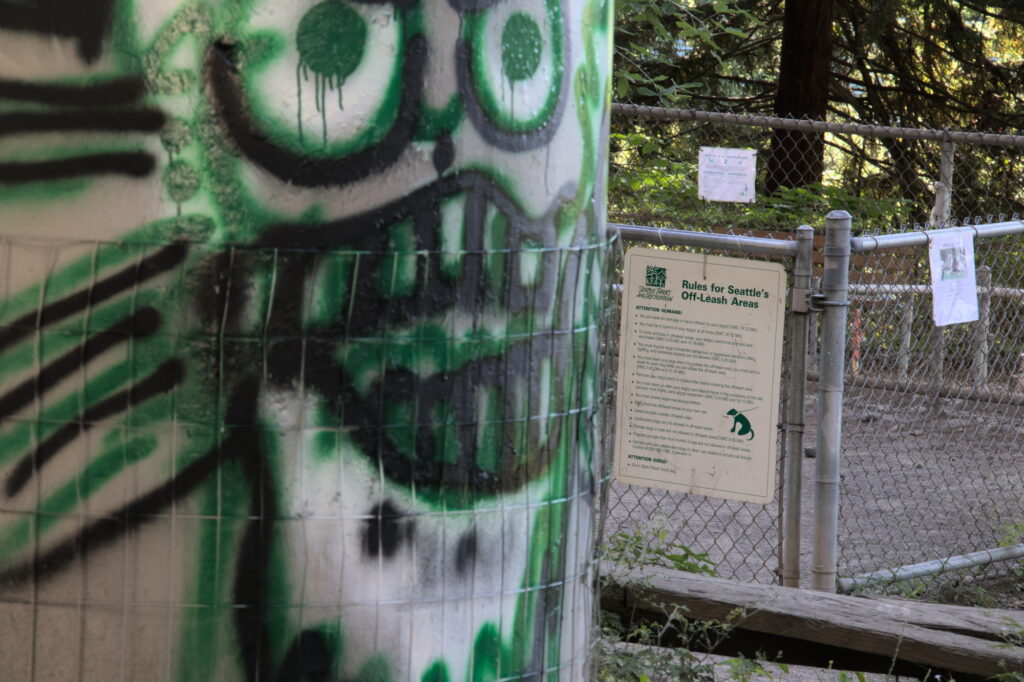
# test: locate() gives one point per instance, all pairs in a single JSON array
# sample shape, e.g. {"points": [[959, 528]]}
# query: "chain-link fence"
{"points": [[742, 540], [932, 432], [930, 464], [886, 177]]}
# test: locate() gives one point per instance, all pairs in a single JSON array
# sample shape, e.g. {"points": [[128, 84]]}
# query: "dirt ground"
{"points": [[923, 478]]}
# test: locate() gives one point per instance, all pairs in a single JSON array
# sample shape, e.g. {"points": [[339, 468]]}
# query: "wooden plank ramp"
{"points": [[805, 627]]}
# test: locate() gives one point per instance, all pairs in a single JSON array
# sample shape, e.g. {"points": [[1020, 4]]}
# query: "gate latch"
{"points": [[800, 300]]}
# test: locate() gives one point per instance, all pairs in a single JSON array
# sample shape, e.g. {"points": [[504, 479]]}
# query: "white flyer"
{"points": [[726, 174], [954, 287]]}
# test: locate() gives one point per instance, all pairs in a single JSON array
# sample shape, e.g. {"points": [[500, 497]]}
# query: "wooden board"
{"points": [[886, 635]]}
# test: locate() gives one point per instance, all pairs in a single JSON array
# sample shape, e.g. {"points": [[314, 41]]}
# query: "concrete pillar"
{"points": [[298, 338]]}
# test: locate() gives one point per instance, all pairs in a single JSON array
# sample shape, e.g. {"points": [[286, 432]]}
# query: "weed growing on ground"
{"points": [[639, 549], [632, 652]]}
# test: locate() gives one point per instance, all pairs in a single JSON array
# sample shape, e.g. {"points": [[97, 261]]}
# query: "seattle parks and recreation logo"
{"points": [[656, 276], [654, 289]]}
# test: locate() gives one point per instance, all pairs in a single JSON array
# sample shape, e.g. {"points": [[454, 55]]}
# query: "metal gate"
{"points": [[913, 428]]}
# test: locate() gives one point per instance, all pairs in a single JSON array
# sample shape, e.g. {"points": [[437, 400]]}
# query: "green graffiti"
{"points": [[437, 672], [331, 40], [523, 44], [176, 135], [521, 47], [356, 406], [181, 181]]}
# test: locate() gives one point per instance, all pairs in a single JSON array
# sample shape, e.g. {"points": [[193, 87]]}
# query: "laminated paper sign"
{"points": [[726, 174], [954, 283], [700, 362]]}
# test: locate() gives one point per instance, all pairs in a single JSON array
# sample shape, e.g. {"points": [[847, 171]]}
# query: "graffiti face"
{"points": [[298, 337]]}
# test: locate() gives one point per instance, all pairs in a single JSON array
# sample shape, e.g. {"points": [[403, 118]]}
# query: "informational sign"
{"points": [[726, 174], [700, 361], [954, 284]]}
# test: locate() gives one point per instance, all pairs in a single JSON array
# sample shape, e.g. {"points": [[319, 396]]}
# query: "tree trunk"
{"points": [[804, 70]]}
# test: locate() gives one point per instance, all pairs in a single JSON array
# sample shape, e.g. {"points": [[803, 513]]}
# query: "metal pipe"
{"points": [[658, 113], [793, 429], [900, 290], [935, 567], [706, 240], [937, 353], [970, 391], [830, 400], [921, 237], [944, 188], [696, 116], [906, 338], [979, 366], [812, 331]]}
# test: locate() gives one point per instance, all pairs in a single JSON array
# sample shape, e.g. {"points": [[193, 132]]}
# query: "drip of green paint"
{"points": [[331, 40], [521, 46]]}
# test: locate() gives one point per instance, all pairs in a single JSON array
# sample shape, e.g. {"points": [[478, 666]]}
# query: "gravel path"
{"points": [[922, 478]]}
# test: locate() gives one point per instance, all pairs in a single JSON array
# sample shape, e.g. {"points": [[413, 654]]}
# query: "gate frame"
{"points": [[800, 250], [832, 304]]}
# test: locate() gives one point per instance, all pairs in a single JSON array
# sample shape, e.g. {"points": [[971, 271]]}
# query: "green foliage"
{"points": [[640, 659], [652, 36], [653, 181], [1011, 534], [743, 669], [929, 63], [847, 677], [632, 651], [653, 548]]}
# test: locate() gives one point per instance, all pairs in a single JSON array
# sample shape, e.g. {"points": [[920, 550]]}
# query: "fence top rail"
{"points": [[923, 237], [708, 240], [886, 291], [863, 129]]}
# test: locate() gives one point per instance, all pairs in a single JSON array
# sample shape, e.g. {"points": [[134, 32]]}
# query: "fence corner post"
{"points": [[835, 287], [979, 365]]}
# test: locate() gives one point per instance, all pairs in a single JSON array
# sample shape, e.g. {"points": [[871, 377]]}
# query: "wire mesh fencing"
{"points": [[740, 540], [930, 466], [933, 424], [887, 177], [402, 436]]}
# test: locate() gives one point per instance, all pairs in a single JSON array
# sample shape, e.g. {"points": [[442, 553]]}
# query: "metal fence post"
{"points": [[835, 288], [979, 367], [906, 336], [795, 407], [812, 331], [941, 210]]}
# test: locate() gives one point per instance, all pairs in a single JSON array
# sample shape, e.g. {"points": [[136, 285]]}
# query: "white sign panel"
{"points": [[700, 361], [726, 174], [954, 285]]}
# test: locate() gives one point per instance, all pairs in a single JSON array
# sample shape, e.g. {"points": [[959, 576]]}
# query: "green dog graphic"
{"points": [[740, 420]]}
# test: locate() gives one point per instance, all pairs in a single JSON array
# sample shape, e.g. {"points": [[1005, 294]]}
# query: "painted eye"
{"points": [[510, 71], [328, 100], [339, 49]]}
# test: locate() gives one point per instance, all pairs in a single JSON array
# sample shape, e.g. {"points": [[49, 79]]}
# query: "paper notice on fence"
{"points": [[954, 287], [726, 174]]}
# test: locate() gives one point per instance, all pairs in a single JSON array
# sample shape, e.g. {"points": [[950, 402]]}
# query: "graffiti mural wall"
{"points": [[298, 345]]}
